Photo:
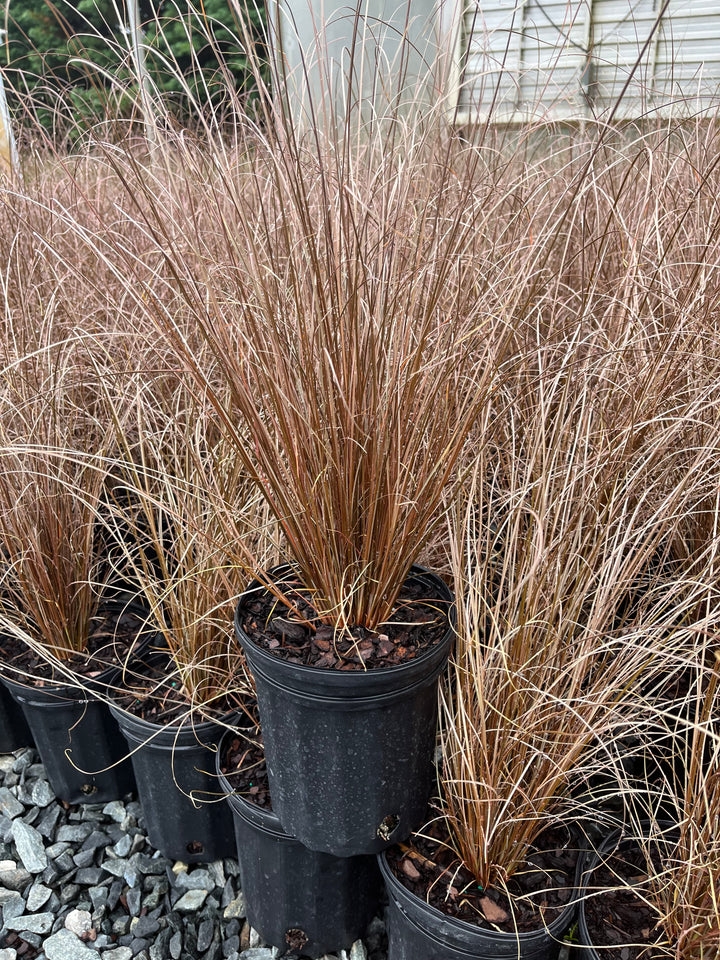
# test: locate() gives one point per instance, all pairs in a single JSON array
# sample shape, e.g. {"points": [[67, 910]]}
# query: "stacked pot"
{"points": [[94, 750], [349, 756], [69, 722], [176, 785]]}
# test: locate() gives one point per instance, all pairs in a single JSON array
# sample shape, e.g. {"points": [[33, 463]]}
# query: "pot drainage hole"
{"points": [[388, 826]]}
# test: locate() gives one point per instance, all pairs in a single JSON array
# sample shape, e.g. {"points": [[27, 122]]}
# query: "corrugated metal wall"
{"points": [[564, 59]]}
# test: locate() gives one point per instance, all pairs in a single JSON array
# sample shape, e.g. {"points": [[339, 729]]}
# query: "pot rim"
{"points": [[126, 718], [356, 678], [160, 732]]}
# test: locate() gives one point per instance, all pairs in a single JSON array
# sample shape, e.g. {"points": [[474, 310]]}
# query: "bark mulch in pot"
{"points": [[539, 891], [152, 690], [619, 922], [244, 766], [114, 632], [417, 623]]}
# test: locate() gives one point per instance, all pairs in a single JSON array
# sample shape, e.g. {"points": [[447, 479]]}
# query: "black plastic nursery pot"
{"points": [[185, 816], [418, 931], [302, 902], [80, 746], [349, 754], [79, 743], [14, 731]]}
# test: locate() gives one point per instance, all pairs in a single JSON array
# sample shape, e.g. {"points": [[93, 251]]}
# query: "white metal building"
{"points": [[574, 59]]}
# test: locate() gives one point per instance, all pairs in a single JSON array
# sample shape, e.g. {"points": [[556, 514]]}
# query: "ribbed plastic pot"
{"points": [[349, 754], [417, 931], [79, 743], [185, 817], [14, 731], [298, 897]]}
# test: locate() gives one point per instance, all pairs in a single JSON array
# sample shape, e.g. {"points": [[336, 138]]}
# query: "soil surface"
{"points": [[115, 632], [431, 870], [617, 918], [243, 763], [418, 622], [154, 692]]}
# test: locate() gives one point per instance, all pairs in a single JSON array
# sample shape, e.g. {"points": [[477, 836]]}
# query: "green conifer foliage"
{"points": [[70, 64]]}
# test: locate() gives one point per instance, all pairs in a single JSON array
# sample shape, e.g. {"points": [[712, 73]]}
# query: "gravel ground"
{"points": [[82, 882]]}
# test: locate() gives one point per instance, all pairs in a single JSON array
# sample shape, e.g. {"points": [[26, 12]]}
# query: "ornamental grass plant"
{"points": [[539, 667], [684, 892], [55, 442], [575, 614], [375, 320], [664, 866], [321, 290], [347, 356], [343, 294], [51, 480]]}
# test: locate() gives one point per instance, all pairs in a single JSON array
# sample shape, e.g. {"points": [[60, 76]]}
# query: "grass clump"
{"points": [[51, 479]]}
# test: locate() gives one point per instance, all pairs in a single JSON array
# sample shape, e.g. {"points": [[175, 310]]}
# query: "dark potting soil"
{"points": [[618, 920], [432, 871], [114, 632], [243, 764], [154, 692], [417, 623]]}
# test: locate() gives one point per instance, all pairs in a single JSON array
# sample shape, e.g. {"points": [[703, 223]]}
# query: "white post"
{"points": [[9, 162], [143, 77], [587, 76]]}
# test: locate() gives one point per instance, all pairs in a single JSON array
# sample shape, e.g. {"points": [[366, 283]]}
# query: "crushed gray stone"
{"points": [[69, 893], [206, 931], [191, 901], [30, 847], [23, 760], [38, 896], [13, 907], [197, 880], [64, 945], [357, 952], [175, 946], [14, 878], [143, 927], [82, 883], [236, 908], [6, 895], [41, 794], [47, 823], [74, 832], [34, 922], [115, 810], [123, 846], [84, 858], [10, 806]]}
